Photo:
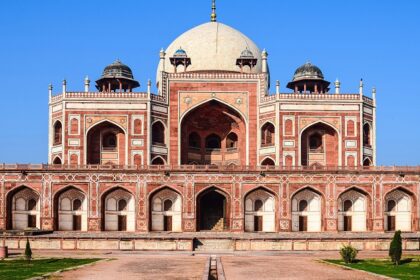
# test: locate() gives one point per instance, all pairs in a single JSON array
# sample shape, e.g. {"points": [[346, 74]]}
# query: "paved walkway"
{"points": [[285, 267], [182, 265]]}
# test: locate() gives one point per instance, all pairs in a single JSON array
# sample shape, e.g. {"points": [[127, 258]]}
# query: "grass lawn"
{"points": [[21, 269], [408, 269]]}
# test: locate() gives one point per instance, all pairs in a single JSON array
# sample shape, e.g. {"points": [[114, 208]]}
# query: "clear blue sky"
{"points": [[46, 41]]}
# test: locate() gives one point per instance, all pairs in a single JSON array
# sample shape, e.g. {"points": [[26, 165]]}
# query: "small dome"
{"points": [[308, 71], [180, 53], [117, 76], [247, 54], [117, 70]]}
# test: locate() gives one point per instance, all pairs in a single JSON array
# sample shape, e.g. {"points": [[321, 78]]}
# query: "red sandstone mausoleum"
{"points": [[213, 149]]}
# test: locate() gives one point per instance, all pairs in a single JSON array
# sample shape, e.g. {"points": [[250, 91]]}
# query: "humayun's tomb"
{"points": [[211, 153]]}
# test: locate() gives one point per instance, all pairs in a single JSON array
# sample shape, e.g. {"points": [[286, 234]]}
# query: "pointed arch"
{"points": [[268, 134], [213, 209], [328, 154], [71, 219], [162, 218], [268, 161], [112, 218], [158, 133], [311, 217], [57, 160], [158, 160], [93, 149], [259, 208], [16, 216], [57, 132], [359, 216], [214, 117]]}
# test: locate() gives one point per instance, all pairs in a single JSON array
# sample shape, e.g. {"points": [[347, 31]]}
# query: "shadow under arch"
{"points": [[270, 193], [369, 203], [103, 202], [213, 206], [153, 194], [322, 202], [56, 203], [9, 203], [217, 119], [322, 128]]}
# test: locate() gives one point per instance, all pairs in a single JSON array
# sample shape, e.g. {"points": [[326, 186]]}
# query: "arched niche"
{"points": [[106, 144], [320, 145], [260, 211], [222, 130], [23, 209], [114, 216], [306, 211], [70, 210], [166, 210], [352, 211]]}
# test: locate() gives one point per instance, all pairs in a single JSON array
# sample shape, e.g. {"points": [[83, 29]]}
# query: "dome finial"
{"points": [[213, 12]]}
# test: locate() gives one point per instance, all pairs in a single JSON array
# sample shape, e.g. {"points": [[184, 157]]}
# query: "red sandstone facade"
{"points": [[212, 150]]}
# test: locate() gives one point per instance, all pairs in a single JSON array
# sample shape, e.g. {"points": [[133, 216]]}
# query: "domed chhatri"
{"points": [[309, 78], [180, 53], [308, 71], [117, 76], [180, 57], [246, 59]]}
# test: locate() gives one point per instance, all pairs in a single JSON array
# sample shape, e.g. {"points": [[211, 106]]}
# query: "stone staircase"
{"points": [[212, 245], [219, 225]]}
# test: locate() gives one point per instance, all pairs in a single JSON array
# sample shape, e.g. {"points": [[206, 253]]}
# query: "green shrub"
{"points": [[348, 253], [28, 251], [395, 249]]}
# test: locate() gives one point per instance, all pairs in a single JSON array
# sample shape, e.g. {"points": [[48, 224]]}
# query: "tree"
{"points": [[395, 249], [28, 250]]}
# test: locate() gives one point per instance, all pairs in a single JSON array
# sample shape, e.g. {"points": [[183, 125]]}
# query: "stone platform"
{"points": [[210, 241]]}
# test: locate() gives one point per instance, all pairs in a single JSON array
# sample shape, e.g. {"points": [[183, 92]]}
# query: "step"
{"points": [[213, 245]]}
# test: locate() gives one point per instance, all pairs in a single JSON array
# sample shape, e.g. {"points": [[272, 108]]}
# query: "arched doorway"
{"points": [[118, 210], [319, 145], [212, 210], [106, 144], [352, 211], [398, 210], [213, 133], [306, 211], [23, 209], [260, 211], [70, 210], [166, 211]]}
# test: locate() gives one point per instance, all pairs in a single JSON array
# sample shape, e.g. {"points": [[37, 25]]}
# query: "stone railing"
{"points": [[304, 96], [99, 95], [211, 168], [213, 75]]}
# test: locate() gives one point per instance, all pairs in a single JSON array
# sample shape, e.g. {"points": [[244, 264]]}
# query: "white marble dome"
{"points": [[212, 46]]}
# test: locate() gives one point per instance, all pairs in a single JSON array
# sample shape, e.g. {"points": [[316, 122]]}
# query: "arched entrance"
{"points": [[118, 210], [398, 210], [306, 211], [70, 210], [319, 145], [352, 211], [260, 211], [212, 210], [166, 210], [106, 144], [213, 133], [23, 209]]}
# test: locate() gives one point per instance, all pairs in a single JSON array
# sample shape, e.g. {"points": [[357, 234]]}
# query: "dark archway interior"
{"points": [[213, 133], [105, 138], [212, 211]]}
